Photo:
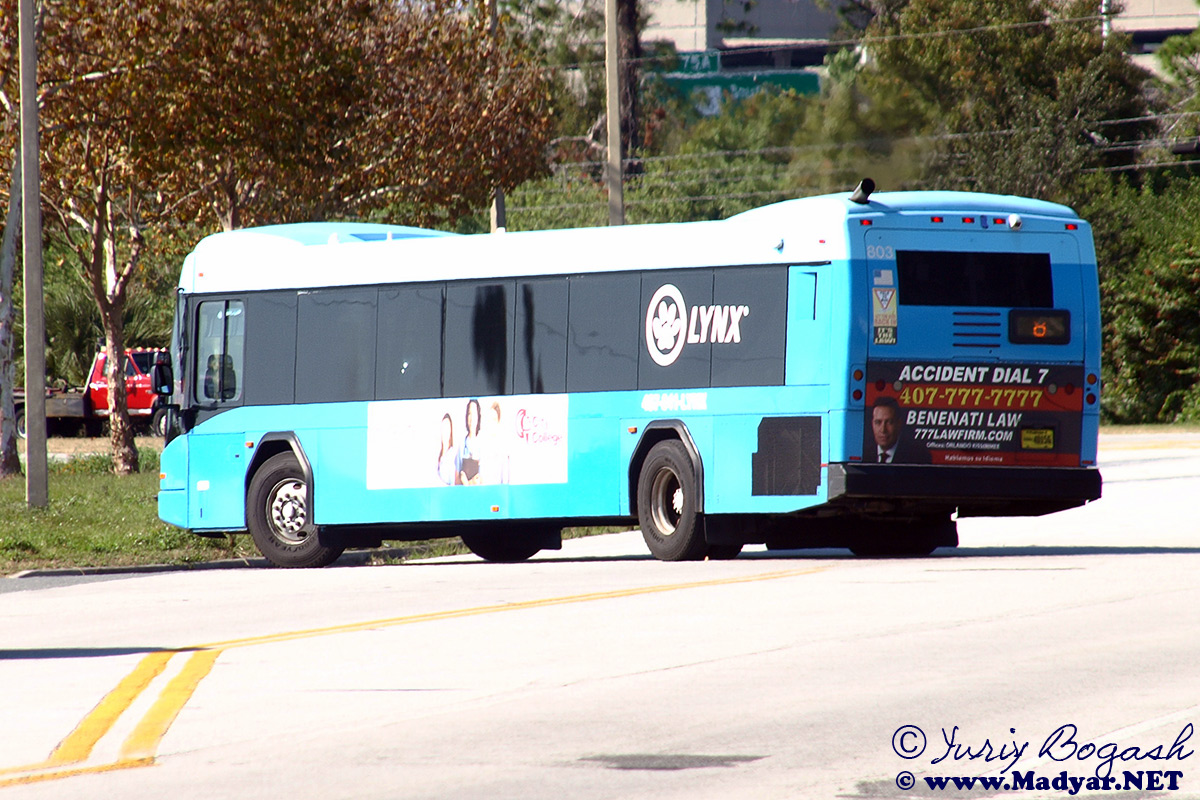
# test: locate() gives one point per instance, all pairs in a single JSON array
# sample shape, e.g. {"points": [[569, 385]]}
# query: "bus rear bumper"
{"points": [[973, 491]]}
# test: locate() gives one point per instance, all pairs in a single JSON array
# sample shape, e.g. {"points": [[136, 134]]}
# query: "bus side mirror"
{"points": [[161, 375]]}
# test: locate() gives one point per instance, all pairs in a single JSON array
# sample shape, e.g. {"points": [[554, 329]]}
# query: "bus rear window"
{"points": [[943, 278]]}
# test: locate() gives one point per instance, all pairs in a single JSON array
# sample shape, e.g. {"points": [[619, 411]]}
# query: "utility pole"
{"points": [[36, 480], [613, 173]]}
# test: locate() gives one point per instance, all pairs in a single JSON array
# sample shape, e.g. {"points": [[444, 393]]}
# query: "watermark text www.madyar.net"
{"points": [[1014, 763]]}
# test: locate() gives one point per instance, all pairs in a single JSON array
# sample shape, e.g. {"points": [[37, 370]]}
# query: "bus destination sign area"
{"points": [[973, 414]]}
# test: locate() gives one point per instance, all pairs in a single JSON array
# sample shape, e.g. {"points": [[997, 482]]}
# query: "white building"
{"points": [[796, 33]]}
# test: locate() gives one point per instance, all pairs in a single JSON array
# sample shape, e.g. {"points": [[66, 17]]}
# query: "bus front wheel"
{"points": [[279, 518], [668, 494]]}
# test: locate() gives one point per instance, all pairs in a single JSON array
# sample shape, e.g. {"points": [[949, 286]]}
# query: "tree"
{"points": [[569, 38], [93, 67], [307, 110], [1148, 248], [280, 112], [1018, 96], [1179, 59], [10, 161]]}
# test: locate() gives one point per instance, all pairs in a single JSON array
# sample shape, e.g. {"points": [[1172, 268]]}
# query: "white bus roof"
{"points": [[805, 230]]}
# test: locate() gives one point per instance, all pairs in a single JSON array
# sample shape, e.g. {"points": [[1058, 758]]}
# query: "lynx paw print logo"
{"points": [[664, 325]]}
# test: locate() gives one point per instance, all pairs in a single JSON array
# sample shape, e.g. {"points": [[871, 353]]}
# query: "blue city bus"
{"points": [[856, 370]]}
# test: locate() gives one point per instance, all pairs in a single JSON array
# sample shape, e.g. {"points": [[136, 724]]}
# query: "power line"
{"points": [[866, 40]]}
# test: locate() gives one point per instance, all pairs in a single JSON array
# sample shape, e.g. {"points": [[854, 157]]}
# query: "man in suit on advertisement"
{"points": [[886, 444]]}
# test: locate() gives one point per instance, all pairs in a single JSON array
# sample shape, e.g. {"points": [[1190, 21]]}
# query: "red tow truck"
{"points": [[88, 406]]}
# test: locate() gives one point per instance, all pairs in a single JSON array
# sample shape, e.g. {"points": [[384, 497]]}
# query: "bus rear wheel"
{"points": [[279, 518], [668, 495], [500, 548]]}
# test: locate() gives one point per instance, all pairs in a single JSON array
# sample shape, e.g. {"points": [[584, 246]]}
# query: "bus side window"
{"points": [[478, 336], [604, 321], [540, 352], [335, 345], [408, 360]]}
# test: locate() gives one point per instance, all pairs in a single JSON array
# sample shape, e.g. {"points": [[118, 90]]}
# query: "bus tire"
{"points": [[158, 423], [22, 433], [668, 493], [278, 517], [499, 548]]}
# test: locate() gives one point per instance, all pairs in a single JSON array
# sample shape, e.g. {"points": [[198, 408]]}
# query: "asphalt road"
{"points": [[1058, 648]]}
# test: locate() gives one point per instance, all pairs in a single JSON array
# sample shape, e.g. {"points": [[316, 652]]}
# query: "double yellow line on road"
{"points": [[139, 749], [71, 754]]}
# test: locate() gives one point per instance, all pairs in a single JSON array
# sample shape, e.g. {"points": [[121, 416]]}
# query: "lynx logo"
{"points": [[667, 315]]}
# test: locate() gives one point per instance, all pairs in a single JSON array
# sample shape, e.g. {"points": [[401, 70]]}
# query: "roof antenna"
{"points": [[862, 191]]}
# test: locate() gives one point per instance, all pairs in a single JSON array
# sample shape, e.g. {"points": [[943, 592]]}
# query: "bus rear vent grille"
{"points": [[976, 329]]}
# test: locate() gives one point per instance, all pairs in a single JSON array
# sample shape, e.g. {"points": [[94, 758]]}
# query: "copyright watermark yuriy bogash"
{"points": [[1013, 763]]}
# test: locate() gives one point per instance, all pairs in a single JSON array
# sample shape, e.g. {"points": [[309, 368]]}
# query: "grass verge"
{"points": [[96, 519]]}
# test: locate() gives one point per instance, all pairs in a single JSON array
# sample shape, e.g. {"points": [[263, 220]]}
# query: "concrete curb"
{"points": [[352, 558]]}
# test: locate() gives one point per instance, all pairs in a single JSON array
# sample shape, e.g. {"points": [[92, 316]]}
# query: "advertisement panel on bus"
{"points": [[1014, 414]]}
